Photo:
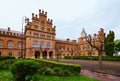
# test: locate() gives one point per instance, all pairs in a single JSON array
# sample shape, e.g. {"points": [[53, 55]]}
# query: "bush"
{"points": [[5, 65], [61, 72], [72, 68], [21, 69], [45, 71], [6, 57]]}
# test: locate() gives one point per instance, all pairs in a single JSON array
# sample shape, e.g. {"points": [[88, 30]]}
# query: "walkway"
{"points": [[91, 69], [100, 76]]}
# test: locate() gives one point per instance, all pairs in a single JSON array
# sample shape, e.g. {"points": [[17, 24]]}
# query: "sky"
{"points": [[69, 16]]}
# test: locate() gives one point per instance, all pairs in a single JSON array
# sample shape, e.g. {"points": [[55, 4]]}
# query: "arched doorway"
{"points": [[44, 54], [51, 54], [37, 54]]}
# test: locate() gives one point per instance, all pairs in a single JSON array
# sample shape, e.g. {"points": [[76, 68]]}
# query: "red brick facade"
{"points": [[39, 36]]}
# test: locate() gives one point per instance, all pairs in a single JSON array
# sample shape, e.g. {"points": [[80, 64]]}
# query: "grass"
{"points": [[7, 76]]}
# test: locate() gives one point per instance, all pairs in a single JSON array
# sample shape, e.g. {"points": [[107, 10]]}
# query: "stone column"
{"points": [[41, 57], [48, 57], [53, 55]]}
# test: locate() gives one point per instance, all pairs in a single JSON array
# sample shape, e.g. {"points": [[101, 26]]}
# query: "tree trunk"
{"points": [[100, 59]]}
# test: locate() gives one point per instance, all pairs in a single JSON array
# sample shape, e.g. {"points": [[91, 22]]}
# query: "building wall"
{"points": [[6, 36], [40, 30]]}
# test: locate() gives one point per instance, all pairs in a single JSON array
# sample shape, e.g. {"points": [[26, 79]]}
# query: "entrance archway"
{"points": [[51, 54], [37, 54], [44, 54]]}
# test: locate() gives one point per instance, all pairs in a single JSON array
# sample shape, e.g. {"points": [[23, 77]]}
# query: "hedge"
{"points": [[72, 68], [5, 65], [106, 58], [6, 57]]}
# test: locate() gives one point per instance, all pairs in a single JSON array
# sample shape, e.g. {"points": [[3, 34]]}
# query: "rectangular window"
{"points": [[0, 54], [42, 25], [42, 28], [42, 36], [35, 35], [36, 27], [35, 44], [0, 44], [10, 44], [48, 37], [48, 29], [19, 45]]}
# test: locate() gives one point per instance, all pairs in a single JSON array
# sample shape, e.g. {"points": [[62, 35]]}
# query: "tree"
{"points": [[97, 42], [109, 43], [116, 47], [90, 52]]}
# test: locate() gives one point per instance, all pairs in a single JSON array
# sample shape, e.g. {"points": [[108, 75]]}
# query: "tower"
{"points": [[83, 33]]}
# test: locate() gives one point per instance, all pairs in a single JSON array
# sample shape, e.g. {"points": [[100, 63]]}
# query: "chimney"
{"points": [[68, 40], [8, 28]]}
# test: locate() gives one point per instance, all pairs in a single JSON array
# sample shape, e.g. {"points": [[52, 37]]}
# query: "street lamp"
{"points": [[24, 20]]}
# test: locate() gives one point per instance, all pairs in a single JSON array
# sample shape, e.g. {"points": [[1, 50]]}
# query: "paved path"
{"points": [[100, 76], [89, 68]]}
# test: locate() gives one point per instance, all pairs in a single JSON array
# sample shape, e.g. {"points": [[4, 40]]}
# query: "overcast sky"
{"points": [[69, 16]]}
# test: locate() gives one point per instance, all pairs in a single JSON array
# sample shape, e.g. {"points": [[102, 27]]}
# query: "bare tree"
{"points": [[90, 51], [97, 42]]}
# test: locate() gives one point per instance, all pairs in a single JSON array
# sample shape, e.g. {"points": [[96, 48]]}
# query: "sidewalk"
{"points": [[100, 76]]}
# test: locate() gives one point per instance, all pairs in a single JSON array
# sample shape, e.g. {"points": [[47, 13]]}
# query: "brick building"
{"points": [[39, 41]]}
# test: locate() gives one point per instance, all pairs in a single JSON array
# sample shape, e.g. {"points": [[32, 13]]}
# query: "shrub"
{"points": [[72, 68], [61, 72], [21, 69], [5, 65], [6, 57], [46, 71]]}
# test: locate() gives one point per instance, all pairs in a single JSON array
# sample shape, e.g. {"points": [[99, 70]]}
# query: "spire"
{"points": [[83, 33]]}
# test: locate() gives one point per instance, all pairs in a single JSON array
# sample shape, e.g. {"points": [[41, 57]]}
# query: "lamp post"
{"points": [[24, 20]]}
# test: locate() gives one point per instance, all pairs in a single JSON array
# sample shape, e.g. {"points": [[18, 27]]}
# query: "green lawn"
{"points": [[7, 76]]}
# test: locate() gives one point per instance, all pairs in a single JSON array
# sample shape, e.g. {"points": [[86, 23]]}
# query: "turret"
{"points": [[42, 13]]}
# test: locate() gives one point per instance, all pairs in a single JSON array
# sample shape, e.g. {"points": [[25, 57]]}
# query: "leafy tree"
{"points": [[116, 47], [109, 43]]}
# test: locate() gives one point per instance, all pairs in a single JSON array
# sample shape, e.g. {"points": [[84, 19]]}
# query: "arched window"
{"points": [[1, 44], [35, 44], [20, 45], [10, 44], [42, 45], [48, 45]]}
